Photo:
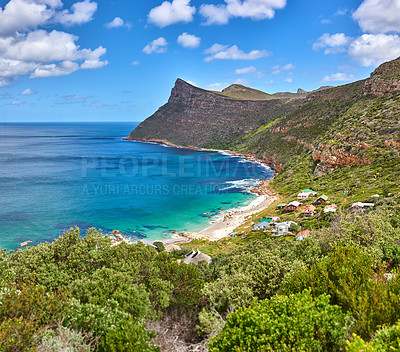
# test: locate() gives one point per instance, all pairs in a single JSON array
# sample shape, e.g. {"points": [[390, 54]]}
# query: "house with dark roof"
{"points": [[292, 206], [321, 199], [194, 257]]}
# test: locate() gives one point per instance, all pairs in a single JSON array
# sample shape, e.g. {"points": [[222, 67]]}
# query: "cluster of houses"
{"points": [[308, 210], [272, 223], [277, 228]]}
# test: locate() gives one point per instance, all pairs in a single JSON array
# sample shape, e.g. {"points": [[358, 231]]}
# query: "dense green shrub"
{"points": [[297, 322], [355, 282], [160, 246], [25, 313]]}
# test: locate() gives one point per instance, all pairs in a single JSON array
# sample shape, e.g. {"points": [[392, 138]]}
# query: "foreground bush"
{"points": [[297, 322], [356, 283]]}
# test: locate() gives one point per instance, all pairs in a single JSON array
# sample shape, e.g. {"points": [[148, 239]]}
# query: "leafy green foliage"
{"points": [[160, 246], [113, 290], [24, 314], [297, 322], [356, 283]]}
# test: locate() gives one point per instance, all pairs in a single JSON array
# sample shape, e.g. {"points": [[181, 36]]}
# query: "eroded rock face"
{"points": [[331, 158], [201, 118], [385, 79]]}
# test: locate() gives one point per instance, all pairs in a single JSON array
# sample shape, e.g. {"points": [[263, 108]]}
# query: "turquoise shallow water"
{"points": [[56, 176]]}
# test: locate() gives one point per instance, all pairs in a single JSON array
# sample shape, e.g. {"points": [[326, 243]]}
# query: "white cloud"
{"points": [[23, 15], [117, 22], [341, 12], [81, 12], [158, 46], [333, 44], [217, 86], [135, 63], [17, 102], [379, 16], [245, 70], [281, 69], [254, 9], [215, 14], [215, 48], [189, 40], [222, 52], [268, 83], [192, 83], [92, 64], [172, 12], [52, 70], [43, 54], [289, 80], [242, 81], [338, 77], [28, 91], [27, 50], [374, 49]]}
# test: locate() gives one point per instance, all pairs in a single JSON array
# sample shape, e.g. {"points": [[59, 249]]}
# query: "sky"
{"points": [[117, 60]]}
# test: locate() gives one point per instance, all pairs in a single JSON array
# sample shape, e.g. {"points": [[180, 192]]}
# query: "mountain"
{"points": [[202, 118], [356, 124]]}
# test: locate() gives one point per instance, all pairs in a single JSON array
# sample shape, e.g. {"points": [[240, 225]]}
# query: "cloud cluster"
{"points": [[379, 16], [277, 70], [225, 52], [189, 40], [379, 20], [338, 77], [254, 9], [172, 12], [27, 50], [157, 46], [117, 22], [181, 11], [245, 70], [332, 44]]}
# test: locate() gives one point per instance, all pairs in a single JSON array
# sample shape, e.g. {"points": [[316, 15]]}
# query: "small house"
{"points": [[281, 206], [359, 207], [283, 228], [305, 194], [270, 219], [331, 208], [308, 210], [194, 257], [263, 225], [321, 199], [292, 206], [302, 235]]}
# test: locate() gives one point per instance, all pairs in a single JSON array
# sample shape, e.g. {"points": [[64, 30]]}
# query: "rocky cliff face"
{"points": [[385, 79], [200, 118]]}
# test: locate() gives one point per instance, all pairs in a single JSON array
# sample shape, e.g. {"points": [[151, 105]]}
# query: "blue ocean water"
{"points": [[57, 176]]}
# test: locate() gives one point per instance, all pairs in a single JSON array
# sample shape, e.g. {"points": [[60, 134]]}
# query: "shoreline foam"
{"points": [[230, 219]]}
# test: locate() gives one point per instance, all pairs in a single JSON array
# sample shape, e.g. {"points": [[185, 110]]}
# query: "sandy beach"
{"points": [[229, 220]]}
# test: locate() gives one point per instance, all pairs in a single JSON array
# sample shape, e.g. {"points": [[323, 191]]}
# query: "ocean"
{"points": [[57, 176]]}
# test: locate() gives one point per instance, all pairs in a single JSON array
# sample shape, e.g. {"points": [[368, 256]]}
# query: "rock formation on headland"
{"points": [[201, 118]]}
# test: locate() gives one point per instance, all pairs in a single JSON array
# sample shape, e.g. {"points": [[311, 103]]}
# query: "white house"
{"points": [[283, 228]]}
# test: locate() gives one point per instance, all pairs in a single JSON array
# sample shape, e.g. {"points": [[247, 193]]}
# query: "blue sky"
{"points": [[117, 60]]}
